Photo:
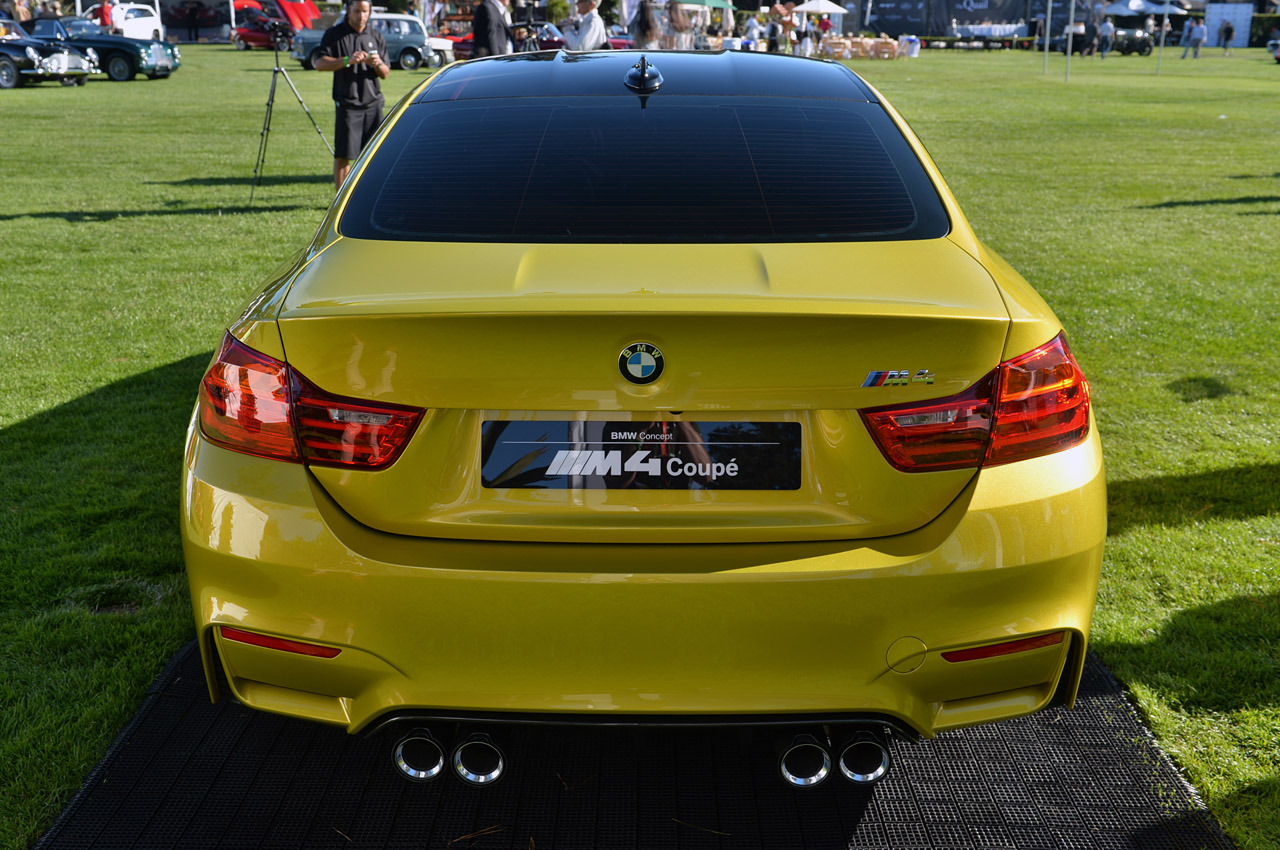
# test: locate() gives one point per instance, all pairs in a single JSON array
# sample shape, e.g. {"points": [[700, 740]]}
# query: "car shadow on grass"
{"points": [[1171, 500], [1213, 658], [1255, 807], [90, 498], [78, 216]]}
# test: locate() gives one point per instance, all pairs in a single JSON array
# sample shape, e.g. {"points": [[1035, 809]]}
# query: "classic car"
{"points": [[255, 28], [408, 45], [134, 20], [24, 59], [611, 448], [1127, 41], [121, 58]]}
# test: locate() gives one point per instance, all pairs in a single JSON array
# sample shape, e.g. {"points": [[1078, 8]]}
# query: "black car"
{"points": [[26, 60], [121, 58]]}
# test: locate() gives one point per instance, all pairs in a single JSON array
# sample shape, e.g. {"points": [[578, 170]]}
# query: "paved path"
{"points": [[189, 774]]}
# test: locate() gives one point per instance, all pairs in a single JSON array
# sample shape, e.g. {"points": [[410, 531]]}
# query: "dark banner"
{"points": [[988, 11], [640, 455], [895, 17]]}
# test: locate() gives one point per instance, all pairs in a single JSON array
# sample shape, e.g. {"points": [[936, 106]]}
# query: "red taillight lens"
{"points": [[244, 403], [336, 431], [944, 433], [1042, 406], [253, 403], [1032, 405], [992, 650], [254, 639]]}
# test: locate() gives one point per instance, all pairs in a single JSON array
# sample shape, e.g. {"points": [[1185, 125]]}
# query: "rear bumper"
{"points": [[463, 628]]}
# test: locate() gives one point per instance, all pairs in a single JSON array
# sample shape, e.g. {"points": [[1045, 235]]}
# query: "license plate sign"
{"points": [[566, 455]]}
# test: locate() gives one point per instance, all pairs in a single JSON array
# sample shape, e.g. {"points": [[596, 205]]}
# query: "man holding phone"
{"points": [[354, 51]]}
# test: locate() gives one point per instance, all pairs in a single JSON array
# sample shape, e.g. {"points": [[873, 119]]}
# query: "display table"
{"points": [[990, 30]]}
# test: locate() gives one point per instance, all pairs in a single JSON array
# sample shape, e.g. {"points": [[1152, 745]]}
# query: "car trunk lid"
{"points": [[515, 352]]}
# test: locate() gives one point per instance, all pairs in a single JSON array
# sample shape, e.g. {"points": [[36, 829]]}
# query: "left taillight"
{"points": [[258, 405], [244, 403]]}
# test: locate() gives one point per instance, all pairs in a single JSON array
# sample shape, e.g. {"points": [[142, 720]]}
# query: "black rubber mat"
{"points": [[186, 773]]}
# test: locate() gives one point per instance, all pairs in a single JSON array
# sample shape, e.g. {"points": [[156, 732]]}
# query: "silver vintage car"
{"points": [[408, 45]]}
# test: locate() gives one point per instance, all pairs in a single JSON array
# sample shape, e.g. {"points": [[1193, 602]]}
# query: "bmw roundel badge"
{"points": [[641, 363]]}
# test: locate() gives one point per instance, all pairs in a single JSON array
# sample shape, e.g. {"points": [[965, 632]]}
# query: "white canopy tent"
{"points": [[819, 7], [1141, 7]]}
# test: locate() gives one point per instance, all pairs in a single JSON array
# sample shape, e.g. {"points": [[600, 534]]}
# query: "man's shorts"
{"points": [[353, 129]]}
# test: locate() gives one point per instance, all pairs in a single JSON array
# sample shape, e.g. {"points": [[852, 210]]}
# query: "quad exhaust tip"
{"points": [[418, 756], [805, 762], [478, 761], [864, 759]]}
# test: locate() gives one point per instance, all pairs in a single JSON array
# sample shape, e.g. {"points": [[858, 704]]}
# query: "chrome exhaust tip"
{"points": [[864, 758], [418, 756], [805, 762], [478, 761]]}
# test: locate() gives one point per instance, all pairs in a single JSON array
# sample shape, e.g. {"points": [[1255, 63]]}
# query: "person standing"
{"points": [[585, 30], [1228, 36], [646, 24], [1195, 39], [354, 52], [677, 25], [492, 36], [193, 21], [1106, 36]]}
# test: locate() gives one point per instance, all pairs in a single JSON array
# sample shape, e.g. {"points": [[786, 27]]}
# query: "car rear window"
{"points": [[609, 169]]}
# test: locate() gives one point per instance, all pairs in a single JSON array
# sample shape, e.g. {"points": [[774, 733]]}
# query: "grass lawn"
{"points": [[1145, 208]]}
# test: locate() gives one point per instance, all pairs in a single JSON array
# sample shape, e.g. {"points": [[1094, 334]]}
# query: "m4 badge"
{"points": [[898, 378]]}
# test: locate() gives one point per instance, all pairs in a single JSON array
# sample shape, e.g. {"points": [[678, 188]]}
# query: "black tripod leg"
{"points": [[262, 142], [289, 80]]}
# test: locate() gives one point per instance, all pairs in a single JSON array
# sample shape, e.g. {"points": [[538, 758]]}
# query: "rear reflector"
{"points": [[1033, 405], [1006, 648], [299, 647], [258, 405]]}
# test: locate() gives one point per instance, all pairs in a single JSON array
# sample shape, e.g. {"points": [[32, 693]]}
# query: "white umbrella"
{"points": [[820, 7]]}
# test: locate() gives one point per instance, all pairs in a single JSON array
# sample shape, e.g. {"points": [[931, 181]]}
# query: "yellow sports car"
{"points": [[645, 388]]}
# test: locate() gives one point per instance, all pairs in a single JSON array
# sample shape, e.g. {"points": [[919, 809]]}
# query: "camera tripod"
{"points": [[276, 73]]}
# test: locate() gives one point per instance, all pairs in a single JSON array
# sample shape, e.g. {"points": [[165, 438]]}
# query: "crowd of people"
{"points": [[1098, 39], [25, 10]]}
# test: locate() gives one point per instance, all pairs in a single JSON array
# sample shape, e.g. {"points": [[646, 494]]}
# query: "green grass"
{"points": [[1144, 208]]}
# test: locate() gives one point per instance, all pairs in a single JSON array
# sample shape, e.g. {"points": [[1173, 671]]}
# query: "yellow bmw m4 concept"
{"points": [[662, 388]]}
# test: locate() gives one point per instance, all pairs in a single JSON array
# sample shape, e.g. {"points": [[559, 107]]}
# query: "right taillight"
{"points": [[1042, 405], [258, 405], [1033, 405]]}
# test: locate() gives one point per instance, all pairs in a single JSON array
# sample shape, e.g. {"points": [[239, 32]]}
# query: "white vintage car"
{"points": [[134, 20]]}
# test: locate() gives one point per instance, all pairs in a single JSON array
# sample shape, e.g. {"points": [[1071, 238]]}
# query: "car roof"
{"points": [[394, 16], [726, 73]]}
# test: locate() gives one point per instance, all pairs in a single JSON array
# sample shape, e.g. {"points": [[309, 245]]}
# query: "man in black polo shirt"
{"points": [[356, 53]]}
